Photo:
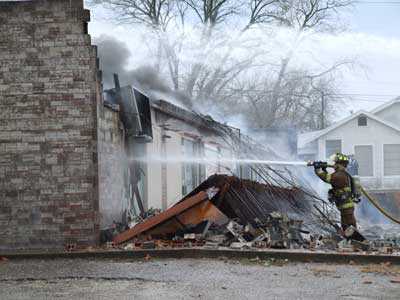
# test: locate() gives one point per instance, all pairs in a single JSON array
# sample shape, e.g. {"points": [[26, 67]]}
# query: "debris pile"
{"points": [[384, 238], [225, 211]]}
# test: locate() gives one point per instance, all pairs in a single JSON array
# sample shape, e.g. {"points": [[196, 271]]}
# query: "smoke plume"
{"points": [[115, 57]]}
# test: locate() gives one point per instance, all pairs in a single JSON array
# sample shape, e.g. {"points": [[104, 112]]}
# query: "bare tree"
{"points": [[157, 14], [214, 71], [307, 101], [213, 12], [204, 81], [304, 16], [153, 13]]}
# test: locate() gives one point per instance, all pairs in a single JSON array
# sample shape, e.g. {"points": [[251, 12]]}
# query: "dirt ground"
{"points": [[195, 279]]}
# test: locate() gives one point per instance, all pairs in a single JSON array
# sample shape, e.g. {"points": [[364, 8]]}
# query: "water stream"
{"points": [[203, 160]]}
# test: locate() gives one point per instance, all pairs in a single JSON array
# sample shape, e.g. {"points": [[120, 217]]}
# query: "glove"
{"points": [[320, 165]]}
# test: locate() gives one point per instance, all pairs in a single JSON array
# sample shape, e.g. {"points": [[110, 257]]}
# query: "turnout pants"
{"points": [[347, 218]]}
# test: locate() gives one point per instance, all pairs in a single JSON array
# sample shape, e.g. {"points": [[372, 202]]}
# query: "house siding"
{"points": [[374, 134], [164, 181], [391, 114], [152, 170], [174, 170]]}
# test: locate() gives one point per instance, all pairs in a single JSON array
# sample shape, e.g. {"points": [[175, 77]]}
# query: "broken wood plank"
{"points": [[161, 218]]}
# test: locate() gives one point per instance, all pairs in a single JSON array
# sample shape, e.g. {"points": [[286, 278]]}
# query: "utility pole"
{"points": [[323, 105], [322, 110]]}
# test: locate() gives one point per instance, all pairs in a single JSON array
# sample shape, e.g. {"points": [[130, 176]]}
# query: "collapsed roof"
{"points": [[223, 197]]}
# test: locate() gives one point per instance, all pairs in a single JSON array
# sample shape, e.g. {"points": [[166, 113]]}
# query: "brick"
{"points": [[48, 106]]}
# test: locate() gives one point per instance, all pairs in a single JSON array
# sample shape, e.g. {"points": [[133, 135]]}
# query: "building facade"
{"points": [[73, 159], [169, 150], [186, 149]]}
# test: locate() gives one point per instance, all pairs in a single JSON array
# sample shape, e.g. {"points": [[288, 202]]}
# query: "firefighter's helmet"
{"points": [[339, 158]]}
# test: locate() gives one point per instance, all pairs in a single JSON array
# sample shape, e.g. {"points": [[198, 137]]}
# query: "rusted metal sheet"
{"points": [[223, 197], [201, 212], [193, 216], [252, 201], [171, 217]]}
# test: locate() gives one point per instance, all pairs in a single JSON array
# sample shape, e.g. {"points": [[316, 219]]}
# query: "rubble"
{"points": [[227, 212]]}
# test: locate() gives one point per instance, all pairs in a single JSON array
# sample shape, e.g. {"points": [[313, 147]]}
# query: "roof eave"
{"points": [[348, 119]]}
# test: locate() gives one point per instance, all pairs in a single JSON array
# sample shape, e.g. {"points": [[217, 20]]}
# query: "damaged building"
{"points": [[80, 165], [164, 145], [74, 159], [77, 160], [166, 152]]}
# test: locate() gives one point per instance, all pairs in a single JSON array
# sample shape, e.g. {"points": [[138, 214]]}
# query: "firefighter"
{"points": [[342, 191]]}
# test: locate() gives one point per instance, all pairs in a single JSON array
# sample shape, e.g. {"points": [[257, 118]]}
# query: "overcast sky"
{"points": [[377, 26], [373, 37]]}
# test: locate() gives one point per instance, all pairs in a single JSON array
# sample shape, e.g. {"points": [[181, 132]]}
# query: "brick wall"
{"points": [[48, 126]]}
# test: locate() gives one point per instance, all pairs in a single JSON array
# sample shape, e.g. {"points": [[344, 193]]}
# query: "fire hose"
{"points": [[375, 203]]}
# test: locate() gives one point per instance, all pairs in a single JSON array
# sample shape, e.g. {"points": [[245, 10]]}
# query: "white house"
{"points": [[372, 137]]}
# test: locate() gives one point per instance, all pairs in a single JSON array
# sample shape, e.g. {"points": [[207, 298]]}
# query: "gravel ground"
{"points": [[190, 279]]}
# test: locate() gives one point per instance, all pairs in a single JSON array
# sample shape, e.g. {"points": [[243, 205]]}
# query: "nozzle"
{"points": [[310, 163], [318, 164]]}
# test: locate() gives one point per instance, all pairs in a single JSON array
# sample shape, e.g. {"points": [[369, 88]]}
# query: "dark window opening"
{"points": [[192, 173], [362, 121], [143, 105]]}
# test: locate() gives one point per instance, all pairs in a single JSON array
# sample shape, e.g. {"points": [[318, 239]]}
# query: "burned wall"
{"points": [[114, 176], [48, 125], [175, 131]]}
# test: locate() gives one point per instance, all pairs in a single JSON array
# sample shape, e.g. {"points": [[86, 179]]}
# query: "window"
{"points": [[193, 173], [364, 157], [332, 147], [362, 121], [143, 107], [391, 160], [212, 156]]}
